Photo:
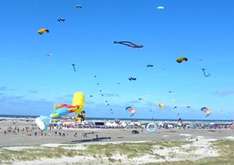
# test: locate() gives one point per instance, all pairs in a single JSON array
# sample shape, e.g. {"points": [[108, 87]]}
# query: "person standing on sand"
{"points": [[75, 135]]}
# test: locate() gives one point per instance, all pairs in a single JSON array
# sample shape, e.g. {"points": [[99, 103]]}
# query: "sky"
{"points": [[31, 82]]}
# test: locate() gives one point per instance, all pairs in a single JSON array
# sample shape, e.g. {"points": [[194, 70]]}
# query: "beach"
{"points": [[25, 132], [186, 144]]}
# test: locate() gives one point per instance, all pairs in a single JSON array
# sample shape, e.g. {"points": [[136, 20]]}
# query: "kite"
{"points": [[78, 6], [74, 67], [42, 31], [49, 54], [61, 110], [149, 66], [205, 73], [42, 122], [129, 44], [60, 19], [160, 7], [140, 99], [132, 78], [77, 106], [175, 107], [181, 59], [206, 111], [59, 106], [111, 110], [151, 127], [161, 105], [131, 110]]}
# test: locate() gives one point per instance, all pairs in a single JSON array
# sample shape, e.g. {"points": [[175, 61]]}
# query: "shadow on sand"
{"points": [[91, 140]]}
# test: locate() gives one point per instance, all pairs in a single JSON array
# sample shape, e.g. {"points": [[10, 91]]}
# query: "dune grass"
{"points": [[225, 149], [129, 149], [33, 154]]}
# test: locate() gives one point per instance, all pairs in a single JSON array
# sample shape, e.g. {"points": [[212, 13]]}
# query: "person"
{"points": [[180, 122], [232, 125], [75, 135], [81, 116], [85, 135]]}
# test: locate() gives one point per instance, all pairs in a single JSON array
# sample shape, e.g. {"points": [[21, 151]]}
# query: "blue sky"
{"points": [[31, 82]]}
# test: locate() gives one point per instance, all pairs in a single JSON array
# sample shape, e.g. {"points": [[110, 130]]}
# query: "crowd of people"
{"points": [[64, 129], [179, 124]]}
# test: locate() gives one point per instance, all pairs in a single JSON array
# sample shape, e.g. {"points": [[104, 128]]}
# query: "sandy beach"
{"points": [[83, 135], [163, 145]]}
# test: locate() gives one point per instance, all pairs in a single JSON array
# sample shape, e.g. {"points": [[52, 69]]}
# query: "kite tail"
{"points": [[59, 106]]}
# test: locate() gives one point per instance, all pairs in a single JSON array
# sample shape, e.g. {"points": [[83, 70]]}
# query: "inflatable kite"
{"points": [[132, 78], [149, 66], [129, 44], [161, 105], [60, 19], [42, 31], [160, 7], [206, 111], [175, 107], [42, 122], [181, 59], [205, 73], [74, 67], [140, 99], [131, 110], [78, 6], [49, 54], [61, 110]]}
